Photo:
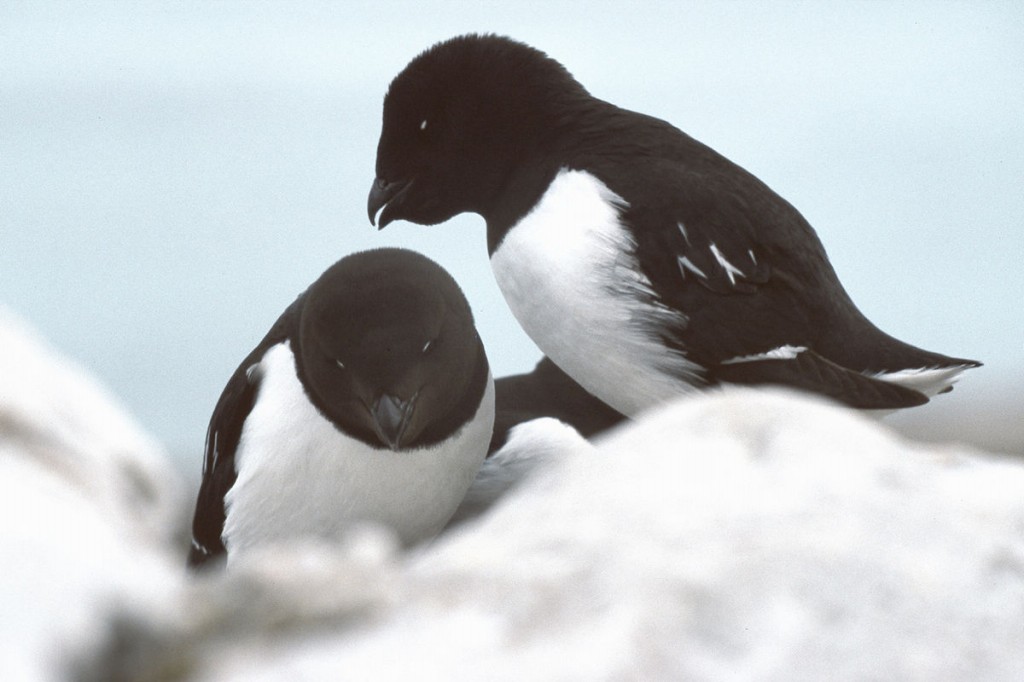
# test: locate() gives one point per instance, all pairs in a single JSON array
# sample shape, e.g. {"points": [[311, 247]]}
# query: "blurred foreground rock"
{"points": [[737, 535], [743, 535], [88, 507]]}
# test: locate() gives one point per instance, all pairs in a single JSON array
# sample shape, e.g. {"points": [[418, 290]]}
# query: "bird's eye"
{"points": [[423, 124], [340, 364]]}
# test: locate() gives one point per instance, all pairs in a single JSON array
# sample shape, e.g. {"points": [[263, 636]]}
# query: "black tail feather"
{"points": [[811, 372]]}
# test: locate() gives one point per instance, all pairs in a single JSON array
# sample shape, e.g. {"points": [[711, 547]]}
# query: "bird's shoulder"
{"points": [[742, 267], [222, 438], [697, 218]]}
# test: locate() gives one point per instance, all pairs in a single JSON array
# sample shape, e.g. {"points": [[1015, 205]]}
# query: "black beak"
{"points": [[382, 192], [391, 416]]}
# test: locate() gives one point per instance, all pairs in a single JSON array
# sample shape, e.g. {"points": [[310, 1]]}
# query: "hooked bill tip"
{"points": [[381, 193]]}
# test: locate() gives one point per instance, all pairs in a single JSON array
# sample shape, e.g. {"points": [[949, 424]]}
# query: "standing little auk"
{"points": [[642, 262]]}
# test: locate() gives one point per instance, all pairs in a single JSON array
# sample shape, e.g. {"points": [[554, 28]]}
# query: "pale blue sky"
{"points": [[173, 174]]}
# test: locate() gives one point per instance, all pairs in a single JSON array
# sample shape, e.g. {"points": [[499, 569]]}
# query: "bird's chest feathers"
{"points": [[569, 274], [299, 475]]}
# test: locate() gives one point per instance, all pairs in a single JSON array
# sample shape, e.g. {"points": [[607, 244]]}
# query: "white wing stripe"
{"points": [[686, 264], [730, 269], [928, 380], [780, 353]]}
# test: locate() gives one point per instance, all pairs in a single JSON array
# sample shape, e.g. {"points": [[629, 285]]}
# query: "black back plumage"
{"points": [[547, 391], [719, 244]]}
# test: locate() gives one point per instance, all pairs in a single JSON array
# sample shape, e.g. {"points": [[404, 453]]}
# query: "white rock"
{"points": [[88, 507], [57, 415], [740, 535], [531, 448]]}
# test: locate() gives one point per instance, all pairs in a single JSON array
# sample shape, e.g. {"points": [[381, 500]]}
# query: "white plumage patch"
{"points": [[786, 352], [685, 264], [731, 270], [570, 276], [298, 475], [928, 380]]}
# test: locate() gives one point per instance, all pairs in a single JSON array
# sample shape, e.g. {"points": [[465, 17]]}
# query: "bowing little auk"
{"points": [[370, 400]]}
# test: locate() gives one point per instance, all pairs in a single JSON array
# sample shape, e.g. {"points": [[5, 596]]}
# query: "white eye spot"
{"points": [[340, 364], [427, 346], [423, 124]]}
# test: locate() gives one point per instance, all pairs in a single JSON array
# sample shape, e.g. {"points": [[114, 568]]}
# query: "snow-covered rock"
{"points": [[750, 536], [739, 535], [88, 509], [531, 447], [56, 415]]}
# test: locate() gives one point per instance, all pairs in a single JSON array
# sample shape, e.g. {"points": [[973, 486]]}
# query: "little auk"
{"points": [[369, 401], [642, 262]]}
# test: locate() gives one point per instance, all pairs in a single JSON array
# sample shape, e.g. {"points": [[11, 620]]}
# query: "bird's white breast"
{"points": [[298, 475], [569, 273]]}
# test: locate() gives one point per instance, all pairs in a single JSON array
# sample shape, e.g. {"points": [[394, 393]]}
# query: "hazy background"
{"points": [[173, 174]]}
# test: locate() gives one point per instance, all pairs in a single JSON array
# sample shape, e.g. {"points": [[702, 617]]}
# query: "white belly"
{"points": [[300, 476], [568, 273]]}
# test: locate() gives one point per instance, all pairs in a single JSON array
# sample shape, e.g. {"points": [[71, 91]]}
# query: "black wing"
{"points": [[748, 275], [222, 438], [809, 371], [547, 391]]}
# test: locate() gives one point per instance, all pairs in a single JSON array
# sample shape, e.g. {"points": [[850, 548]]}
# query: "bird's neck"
{"points": [[566, 140], [521, 192]]}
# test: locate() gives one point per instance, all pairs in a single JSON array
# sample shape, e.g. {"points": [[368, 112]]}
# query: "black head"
{"points": [[388, 351], [457, 119]]}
